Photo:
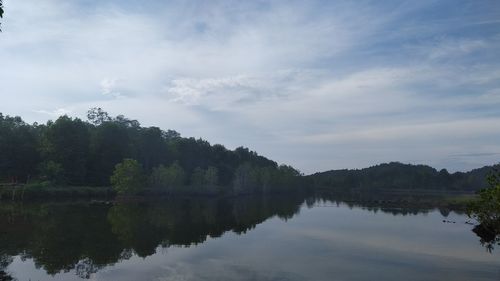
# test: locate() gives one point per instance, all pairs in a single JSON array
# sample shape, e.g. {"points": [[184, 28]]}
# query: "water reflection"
{"points": [[60, 237], [86, 237], [389, 203], [488, 237]]}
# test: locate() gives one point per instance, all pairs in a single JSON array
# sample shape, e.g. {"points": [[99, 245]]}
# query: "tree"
{"points": [[212, 180], [19, 155], [97, 116], [152, 148], [66, 142], [1, 13], [159, 177], [171, 135], [204, 180], [267, 175], [52, 171], [245, 179], [110, 144], [198, 177], [128, 177], [486, 210], [169, 178], [212, 176], [71, 151]]}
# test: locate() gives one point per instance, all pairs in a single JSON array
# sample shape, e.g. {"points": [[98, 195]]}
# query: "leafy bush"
{"points": [[486, 210], [128, 177]]}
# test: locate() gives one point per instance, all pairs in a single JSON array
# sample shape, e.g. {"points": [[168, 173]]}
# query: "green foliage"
{"points": [[71, 152], [19, 155], [97, 116], [66, 142], [50, 190], [198, 177], [246, 179], [486, 210], [51, 171], [205, 181], [211, 176], [110, 144], [128, 177], [170, 178], [152, 147], [396, 175], [250, 179]]}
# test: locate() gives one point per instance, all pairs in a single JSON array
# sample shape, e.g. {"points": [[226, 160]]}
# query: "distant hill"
{"points": [[397, 175]]}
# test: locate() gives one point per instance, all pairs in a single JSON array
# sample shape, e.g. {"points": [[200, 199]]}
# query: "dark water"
{"points": [[244, 239]]}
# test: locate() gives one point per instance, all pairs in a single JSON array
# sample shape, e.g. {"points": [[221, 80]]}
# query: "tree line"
{"points": [[398, 176], [104, 150]]}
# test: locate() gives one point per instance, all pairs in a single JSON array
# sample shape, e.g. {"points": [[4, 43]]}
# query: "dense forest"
{"points": [[396, 175], [105, 150], [108, 150]]}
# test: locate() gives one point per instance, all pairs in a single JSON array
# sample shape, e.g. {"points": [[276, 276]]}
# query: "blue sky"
{"points": [[316, 84]]}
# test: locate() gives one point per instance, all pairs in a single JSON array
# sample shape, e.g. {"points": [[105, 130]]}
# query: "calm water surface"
{"points": [[244, 239]]}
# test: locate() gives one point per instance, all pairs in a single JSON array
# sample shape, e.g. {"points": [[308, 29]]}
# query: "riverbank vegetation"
{"points": [[106, 150], [398, 176], [486, 210], [70, 157]]}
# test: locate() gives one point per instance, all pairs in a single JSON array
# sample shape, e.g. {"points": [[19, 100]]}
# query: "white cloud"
{"points": [[190, 91], [56, 112], [460, 129], [109, 87], [446, 48], [285, 79]]}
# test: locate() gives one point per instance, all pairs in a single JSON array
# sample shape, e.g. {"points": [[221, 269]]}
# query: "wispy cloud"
{"points": [[316, 84], [109, 87], [56, 112]]}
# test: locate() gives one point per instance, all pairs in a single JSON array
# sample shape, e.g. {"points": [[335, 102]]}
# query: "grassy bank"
{"points": [[386, 198], [41, 191]]}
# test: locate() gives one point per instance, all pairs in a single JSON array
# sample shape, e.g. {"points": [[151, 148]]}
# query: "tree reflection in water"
{"points": [[488, 236], [86, 237]]}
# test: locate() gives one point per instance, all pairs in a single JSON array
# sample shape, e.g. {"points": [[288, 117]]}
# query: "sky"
{"points": [[318, 85]]}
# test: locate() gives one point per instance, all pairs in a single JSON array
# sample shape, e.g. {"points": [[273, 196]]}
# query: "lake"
{"points": [[240, 239]]}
